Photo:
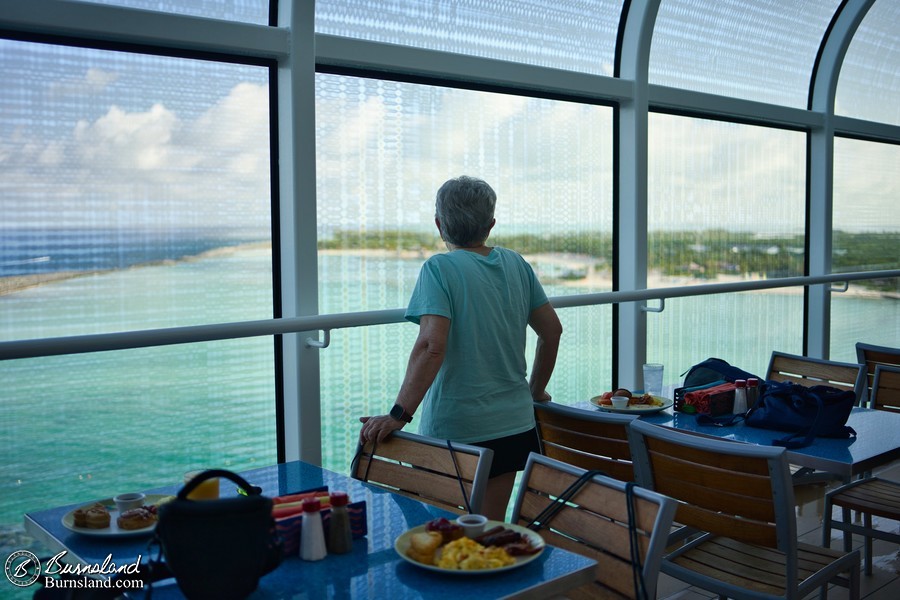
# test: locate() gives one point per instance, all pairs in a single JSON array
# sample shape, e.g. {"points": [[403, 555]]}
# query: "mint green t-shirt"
{"points": [[481, 391]]}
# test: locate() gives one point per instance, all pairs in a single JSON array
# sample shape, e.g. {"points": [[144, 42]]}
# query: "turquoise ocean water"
{"points": [[80, 427]]}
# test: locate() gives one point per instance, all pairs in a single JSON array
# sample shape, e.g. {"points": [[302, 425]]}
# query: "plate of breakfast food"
{"points": [[637, 403], [441, 546], [102, 518]]}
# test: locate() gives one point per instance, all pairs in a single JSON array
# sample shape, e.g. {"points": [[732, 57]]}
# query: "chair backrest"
{"points": [[425, 468], [886, 389], [595, 523], [595, 441], [871, 356], [816, 371], [732, 489]]}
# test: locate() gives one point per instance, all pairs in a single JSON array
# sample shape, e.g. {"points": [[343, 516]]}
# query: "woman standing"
{"points": [[467, 368]]}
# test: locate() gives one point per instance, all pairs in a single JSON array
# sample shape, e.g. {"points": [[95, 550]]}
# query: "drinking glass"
{"points": [[653, 379]]}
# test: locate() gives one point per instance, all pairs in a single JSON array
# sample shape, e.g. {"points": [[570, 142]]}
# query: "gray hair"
{"points": [[465, 207]]}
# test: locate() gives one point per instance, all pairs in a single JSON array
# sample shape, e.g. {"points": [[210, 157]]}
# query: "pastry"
{"points": [[423, 545], [95, 516], [136, 518]]}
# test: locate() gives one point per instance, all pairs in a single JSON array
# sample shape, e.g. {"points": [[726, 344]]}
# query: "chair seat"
{"points": [[878, 497], [871, 497], [750, 567]]}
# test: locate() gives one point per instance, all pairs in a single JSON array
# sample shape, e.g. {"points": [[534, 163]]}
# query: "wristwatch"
{"points": [[399, 413]]}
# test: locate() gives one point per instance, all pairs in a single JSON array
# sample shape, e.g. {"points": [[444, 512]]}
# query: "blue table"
{"points": [[372, 570], [877, 441]]}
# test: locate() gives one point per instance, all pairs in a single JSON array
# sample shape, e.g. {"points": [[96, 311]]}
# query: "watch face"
{"points": [[398, 413]]}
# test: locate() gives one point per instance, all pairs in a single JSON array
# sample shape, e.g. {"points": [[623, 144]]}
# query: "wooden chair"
{"points": [[871, 356], [591, 440], [871, 497], [816, 371], [886, 389], [736, 501], [594, 522], [426, 469]]}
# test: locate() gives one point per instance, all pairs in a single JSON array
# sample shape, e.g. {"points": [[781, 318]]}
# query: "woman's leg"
{"points": [[496, 497]]}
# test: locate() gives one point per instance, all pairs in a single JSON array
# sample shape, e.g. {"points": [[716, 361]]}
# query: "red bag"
{"points": [[714, 401]]}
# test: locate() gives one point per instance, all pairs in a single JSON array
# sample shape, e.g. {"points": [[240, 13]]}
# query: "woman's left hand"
{"points": [[378, 428]]}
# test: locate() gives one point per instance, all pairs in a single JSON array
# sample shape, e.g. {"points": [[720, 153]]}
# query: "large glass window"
{"points": [[866, 237], [87, 426], [134, 194], [567, 34], [742, 328], [762, 50], [383, 150], [726, 203], [115, 166], [869, 86]]}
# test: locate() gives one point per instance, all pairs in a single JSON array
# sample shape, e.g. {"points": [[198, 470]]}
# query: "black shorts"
{"points": [[511, 452]]}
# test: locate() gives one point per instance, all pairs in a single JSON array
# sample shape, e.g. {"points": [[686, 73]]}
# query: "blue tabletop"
{"points": [[372, 570], [877, 440]]}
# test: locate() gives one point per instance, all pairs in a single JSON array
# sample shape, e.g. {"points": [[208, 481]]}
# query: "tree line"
{"points": [[702, 254]]}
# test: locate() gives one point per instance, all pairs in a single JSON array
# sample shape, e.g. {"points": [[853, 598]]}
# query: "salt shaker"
{"points": [[312, 535], [340, 539], [740, 397]]}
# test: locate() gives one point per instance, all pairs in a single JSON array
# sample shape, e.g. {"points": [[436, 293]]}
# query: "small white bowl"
{"points": [[128, 501], [473, 525], [620, 401]]}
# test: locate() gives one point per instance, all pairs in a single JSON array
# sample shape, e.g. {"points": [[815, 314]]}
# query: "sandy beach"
{"points": [[15, 283], [597, 279]]}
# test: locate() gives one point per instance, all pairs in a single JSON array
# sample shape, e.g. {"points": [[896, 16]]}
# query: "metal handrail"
{"points": [[220, 331]]}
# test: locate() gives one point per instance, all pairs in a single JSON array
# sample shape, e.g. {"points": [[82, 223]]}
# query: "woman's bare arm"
{"points": [[425, 360], [545, 322]]}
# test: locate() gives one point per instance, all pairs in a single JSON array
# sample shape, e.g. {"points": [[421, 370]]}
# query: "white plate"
{"points": [[113, 530], [636, 408], [401, 545]]}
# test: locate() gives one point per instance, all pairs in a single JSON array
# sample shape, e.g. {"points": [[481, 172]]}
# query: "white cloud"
{"points": [[149, 166], [94, 81], [126, 141]]}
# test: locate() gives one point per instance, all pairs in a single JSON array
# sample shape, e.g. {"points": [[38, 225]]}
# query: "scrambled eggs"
{"points": [[465, 554]]}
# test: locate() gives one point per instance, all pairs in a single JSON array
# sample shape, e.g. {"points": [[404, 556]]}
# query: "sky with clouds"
{"points": [[92, 138]]}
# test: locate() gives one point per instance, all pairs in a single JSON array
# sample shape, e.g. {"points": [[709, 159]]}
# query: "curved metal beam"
{"points": [[630, 188], [820, 160]]}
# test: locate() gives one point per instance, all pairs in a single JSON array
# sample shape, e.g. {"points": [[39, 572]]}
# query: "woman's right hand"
{"points": [[378, 428]]}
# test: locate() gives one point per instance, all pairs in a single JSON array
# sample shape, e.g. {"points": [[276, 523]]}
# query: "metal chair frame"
{"points": [[809, 371], [871, 356], [871, 496], [591, 440], [594, 522], [426, 469], [736, 508]]}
